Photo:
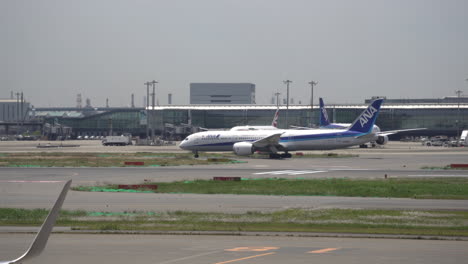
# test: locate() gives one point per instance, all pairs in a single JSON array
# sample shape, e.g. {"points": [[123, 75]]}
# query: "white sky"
{"points": [[53, 50]]}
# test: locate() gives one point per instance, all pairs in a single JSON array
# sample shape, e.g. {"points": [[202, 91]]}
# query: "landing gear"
{"points": [[275, 156], [195, 154], [280, 156]]}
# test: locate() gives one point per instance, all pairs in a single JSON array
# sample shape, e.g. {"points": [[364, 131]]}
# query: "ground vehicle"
{"points": [[437, 141], [464, 138], [117, 141]]}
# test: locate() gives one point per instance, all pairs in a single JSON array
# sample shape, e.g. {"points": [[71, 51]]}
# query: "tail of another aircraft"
{"points": [[274, 123], [324, 121], [366, 120], [42, 236]]}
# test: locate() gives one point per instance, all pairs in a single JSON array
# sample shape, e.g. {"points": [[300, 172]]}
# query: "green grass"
{"points": [[60, 159], [421, 188], [46, 159], [447, 223]]}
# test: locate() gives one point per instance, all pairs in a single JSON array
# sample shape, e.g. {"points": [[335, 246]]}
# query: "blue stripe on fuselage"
{"points": [[344, 134], [321, 136]]}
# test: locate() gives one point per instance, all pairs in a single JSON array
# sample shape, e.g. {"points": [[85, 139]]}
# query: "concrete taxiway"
{"points": [[164, 249]]}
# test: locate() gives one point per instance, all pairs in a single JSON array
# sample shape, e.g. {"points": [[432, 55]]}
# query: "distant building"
{"points": [[444, 100], [13, 110], [222, 93]]}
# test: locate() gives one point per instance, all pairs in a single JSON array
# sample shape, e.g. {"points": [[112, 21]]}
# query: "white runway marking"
{"points": [[349, 169], [288, 172], [435, 175], [32, 181]]}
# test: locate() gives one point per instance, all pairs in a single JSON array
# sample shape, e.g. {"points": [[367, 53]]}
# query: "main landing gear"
{"points": [[280, 156]]}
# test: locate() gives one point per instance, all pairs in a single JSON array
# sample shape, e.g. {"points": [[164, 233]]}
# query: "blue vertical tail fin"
{"points": [[324, 121], [366, 120]]}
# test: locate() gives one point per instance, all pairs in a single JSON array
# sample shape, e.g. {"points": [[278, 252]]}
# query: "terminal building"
{"points": [[175, 122], [14, 110]]}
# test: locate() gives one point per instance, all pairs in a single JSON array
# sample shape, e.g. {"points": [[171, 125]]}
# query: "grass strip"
{"points": [[420, 188], [403, 222], [60, 159], [52, 159]]}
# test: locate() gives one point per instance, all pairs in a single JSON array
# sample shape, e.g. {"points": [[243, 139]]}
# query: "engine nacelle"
{"points": [[243, 148], [382, 140]]}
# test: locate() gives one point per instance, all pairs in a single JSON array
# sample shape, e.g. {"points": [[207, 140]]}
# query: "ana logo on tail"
{"points": [[365, 121], [367, 115], [325, 114]]}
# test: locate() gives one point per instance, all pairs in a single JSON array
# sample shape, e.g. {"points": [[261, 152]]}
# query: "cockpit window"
{"points": [[186, 139]]}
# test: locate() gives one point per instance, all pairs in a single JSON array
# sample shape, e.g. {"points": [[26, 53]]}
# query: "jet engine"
{"points": [[243, 148], [382, 140]]}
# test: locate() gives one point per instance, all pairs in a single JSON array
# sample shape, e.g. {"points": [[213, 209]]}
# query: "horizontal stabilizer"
{"points": [[391, 132]]}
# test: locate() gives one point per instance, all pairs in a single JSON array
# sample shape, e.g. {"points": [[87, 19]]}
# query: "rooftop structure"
{"points": [[222, 93]]}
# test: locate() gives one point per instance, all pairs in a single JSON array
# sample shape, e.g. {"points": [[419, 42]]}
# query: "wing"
{"points": [[42, 236], [271, 140], [391, 132], [301, 128]]}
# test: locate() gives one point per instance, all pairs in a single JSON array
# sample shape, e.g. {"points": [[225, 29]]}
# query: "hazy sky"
{"points": [[53, 50]]}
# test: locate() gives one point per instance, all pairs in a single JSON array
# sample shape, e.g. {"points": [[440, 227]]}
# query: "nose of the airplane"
{"points": [[184, 144], [181, 144]]}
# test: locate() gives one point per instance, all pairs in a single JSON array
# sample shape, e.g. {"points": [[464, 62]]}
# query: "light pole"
{"points": [[312, 83], [17, 111], [154, 99], [458, 92], [287, 82], [277, 99], [147, 112]]}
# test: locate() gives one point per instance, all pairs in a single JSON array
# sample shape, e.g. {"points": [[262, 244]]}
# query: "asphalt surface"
{"points": [[163, 249]]}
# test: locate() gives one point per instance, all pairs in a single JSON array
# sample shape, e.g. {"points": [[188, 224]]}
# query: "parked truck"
{"points": [[117, 141], [464, 138]]}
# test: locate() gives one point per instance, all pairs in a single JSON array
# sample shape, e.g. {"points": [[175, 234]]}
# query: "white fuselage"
{"points": [[252, 128], [291, 139]]}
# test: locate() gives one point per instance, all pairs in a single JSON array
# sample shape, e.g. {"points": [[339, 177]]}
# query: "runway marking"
{"points": [[325, 250], [441, 175], [32, 181], [288, 172], [245, 249], [256, 256], [349, 169]]}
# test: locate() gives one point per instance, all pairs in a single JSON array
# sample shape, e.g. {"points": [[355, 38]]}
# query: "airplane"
{"points": [[382, 136], [324, 122], [274, 125], [39, 243], [245, 143]]}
